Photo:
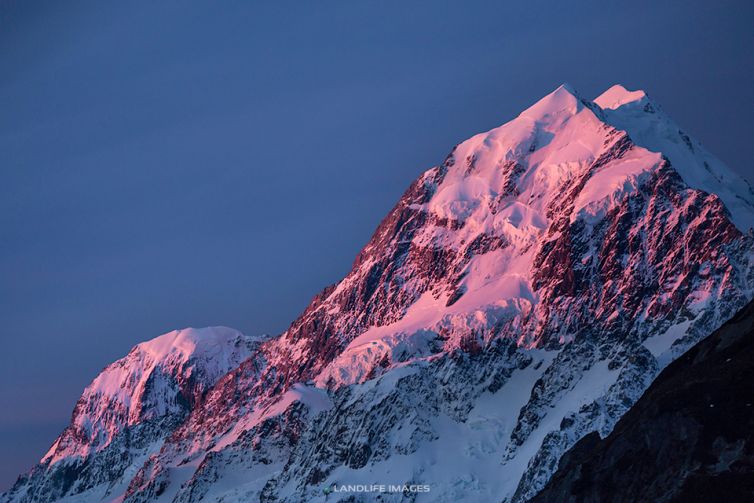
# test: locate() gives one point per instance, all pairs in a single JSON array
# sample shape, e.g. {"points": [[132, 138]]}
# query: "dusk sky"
{"points": [[180, 164]]}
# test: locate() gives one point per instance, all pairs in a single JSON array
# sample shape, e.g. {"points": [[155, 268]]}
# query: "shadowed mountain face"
{"points": [[689, 438]]}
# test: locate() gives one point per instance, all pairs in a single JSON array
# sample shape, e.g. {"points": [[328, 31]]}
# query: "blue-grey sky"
{"points": [[172, 164]]}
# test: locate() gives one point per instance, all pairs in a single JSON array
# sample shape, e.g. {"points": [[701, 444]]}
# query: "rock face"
{"points": [[520, 295], [689, 438]]}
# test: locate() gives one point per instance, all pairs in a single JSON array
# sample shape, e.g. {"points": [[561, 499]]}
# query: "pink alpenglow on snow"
{"points": [[158, 380]]}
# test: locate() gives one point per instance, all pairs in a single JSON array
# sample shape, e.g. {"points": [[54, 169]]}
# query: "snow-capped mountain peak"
{"points": [[519, 295], [617, 96], [650, 127], [563, 100], [160, 379]]}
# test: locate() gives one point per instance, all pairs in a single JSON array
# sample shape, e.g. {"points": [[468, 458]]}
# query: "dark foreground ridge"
{"points": [[689, 438]]}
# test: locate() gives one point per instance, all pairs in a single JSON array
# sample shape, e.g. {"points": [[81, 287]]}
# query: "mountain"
{"points": [[520, 295], [690, 437]]}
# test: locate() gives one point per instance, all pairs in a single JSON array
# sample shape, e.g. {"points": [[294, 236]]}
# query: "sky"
{"points": [[173, 164]]}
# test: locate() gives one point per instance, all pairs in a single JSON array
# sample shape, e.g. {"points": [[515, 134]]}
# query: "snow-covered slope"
{"points": [[127, 411], [520, 295]]}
